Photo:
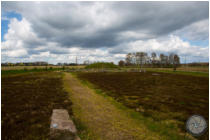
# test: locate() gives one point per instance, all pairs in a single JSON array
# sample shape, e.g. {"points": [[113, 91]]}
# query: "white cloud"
{"points": [[170, 44], [196, 31], [17, 53], [85, 24], [20, 32], [14, 45], [100, 31]]}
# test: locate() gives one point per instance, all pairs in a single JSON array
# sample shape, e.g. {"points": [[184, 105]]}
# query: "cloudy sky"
{"points": [[102, 31]]}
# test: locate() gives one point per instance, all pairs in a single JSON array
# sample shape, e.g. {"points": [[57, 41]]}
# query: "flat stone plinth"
{"points": [[62, 127]]}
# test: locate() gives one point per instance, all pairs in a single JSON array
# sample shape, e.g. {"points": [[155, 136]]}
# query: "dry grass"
{"points": [[187, 69]]}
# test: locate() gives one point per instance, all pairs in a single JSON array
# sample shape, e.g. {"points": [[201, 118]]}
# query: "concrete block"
{"points": [[62, 127]]}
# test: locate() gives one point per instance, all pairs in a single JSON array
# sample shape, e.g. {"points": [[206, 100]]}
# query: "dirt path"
{"points": [[103, 119]]}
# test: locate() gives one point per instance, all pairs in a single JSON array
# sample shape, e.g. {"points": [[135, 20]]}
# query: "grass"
{"points": [[194, 68], [193, 71], [166, 130], [27, 103], [181, 68], [199, 74], [83, 131], [21, 71]]}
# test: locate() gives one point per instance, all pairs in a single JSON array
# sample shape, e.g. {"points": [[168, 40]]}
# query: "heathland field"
{"points": [[164, 97], [27, 101], [154, 104]]}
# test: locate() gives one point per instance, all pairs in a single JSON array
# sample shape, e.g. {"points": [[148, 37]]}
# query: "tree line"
{"points": [[141, 59]]}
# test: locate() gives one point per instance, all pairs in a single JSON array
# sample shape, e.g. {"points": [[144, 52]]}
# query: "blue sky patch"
{"points": [[201, 43], [5, 21]]}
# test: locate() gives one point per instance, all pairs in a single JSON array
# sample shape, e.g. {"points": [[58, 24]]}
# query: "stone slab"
{"points": [[61, 122]]}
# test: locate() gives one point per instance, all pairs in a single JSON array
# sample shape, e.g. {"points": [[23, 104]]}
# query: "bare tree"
{"points": [[128, 59], [171, 58], [153, 55], [162, 59], [176, 61], [166, 59], [140, 58], [133, 55]]}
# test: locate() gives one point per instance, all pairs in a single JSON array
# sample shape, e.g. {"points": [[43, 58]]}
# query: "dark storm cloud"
{"points": [[100, 39], [160, 17], [34, 43]]}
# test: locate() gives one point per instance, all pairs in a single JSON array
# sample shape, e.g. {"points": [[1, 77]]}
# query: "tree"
{"points": [[153, 55], [161, 58], [121, 63], [171, 58], [164, 60], [128, 59], [140, 58], [176, 61]]}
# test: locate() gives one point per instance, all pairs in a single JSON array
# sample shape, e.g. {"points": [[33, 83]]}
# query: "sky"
{"points": [[103, 31]]}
